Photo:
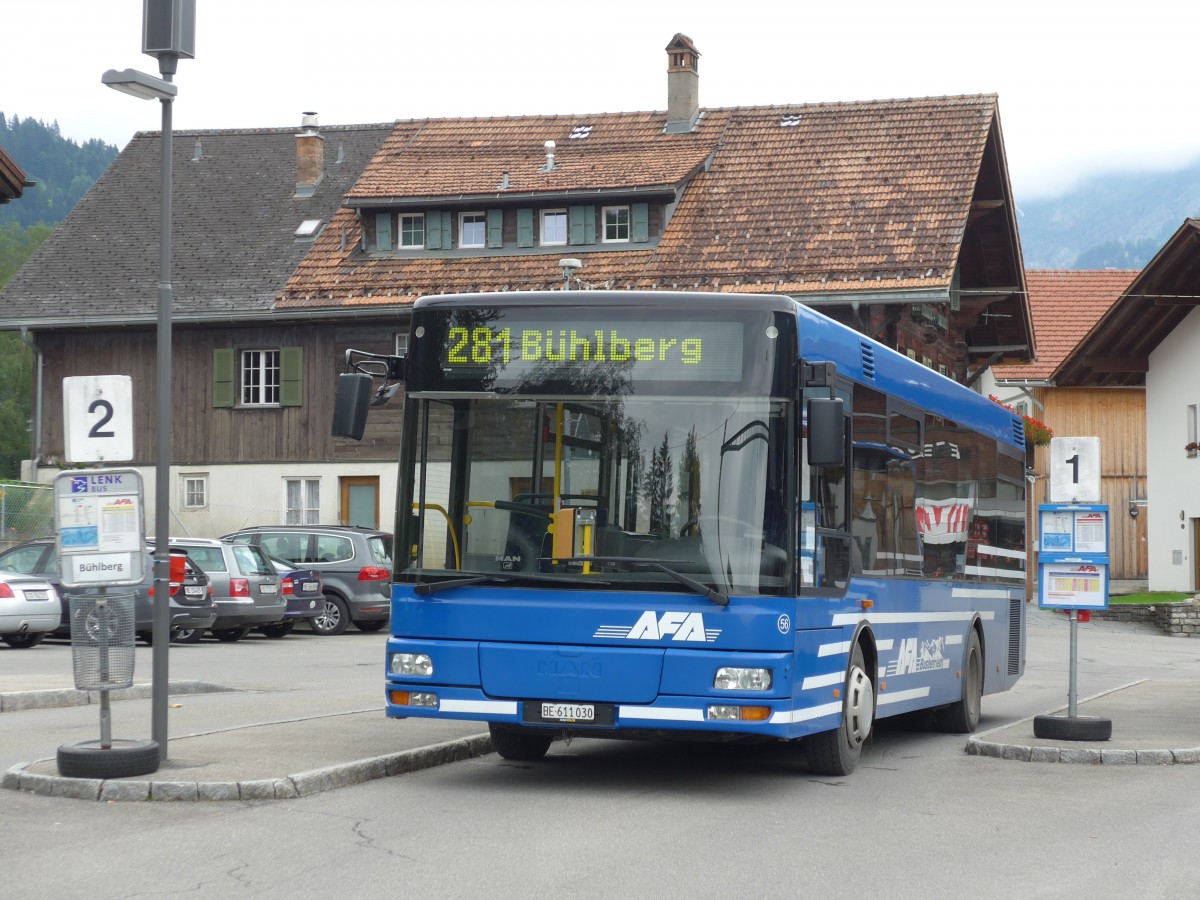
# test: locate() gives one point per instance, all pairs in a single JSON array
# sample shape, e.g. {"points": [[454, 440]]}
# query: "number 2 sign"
{"points": [[98, 418]]}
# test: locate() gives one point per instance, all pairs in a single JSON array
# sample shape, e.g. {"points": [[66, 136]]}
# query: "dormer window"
{"points": [[616, 224], [554, 227], [472, 229], [412, 230]]}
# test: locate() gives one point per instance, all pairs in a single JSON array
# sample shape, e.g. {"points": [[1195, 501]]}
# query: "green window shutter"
{"points": [[291, 376], [433, 230], [223, 378], [495, 228], [383, 231], [524, 227], [581, 224], [640, 232]]}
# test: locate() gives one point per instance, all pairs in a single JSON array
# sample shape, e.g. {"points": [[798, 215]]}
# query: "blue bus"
{"points": [[691, 515]]}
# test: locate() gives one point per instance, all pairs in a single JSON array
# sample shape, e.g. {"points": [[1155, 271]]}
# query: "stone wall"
{"points": [[1176, 619]]}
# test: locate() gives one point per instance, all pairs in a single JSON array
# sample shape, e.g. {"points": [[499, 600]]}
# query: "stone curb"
{"points": [[1089, 755], [55, 698], [288, 787]]}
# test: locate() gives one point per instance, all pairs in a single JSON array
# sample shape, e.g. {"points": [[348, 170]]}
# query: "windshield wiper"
{"points": [[687, 581], [429, 587]]}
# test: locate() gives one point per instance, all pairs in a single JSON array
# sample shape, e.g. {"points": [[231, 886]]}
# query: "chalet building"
{"points": [[1148, 341], [1066, 305], [895, 216]]}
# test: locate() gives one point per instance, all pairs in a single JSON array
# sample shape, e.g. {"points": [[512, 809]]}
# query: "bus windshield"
{"points": [[631, 491]]}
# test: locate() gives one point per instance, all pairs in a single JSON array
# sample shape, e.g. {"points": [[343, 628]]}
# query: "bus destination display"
{"points": [[646, 350]]}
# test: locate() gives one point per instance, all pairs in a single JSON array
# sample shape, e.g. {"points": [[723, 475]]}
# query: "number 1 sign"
{"points": [[98, 418], [1075, 470]]}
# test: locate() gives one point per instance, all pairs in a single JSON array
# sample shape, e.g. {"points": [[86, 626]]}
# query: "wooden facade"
{"points": [[1118, 417]]}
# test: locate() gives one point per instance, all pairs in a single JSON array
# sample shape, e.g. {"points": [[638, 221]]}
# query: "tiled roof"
{"points": [[1066, 303], [811, 198], [233, 224], [449, 157]]}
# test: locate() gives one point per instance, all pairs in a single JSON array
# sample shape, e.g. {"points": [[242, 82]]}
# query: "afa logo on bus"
{"points": [[652, 626]]}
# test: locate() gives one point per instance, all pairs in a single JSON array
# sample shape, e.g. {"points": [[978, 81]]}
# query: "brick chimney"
{"points": [[310, 156], [683, 85]]}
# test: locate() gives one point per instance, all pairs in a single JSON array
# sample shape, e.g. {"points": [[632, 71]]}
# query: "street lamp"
{"points": [[168, 32]]}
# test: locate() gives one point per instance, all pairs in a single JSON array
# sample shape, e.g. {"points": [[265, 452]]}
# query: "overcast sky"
{"points": [[1084, 87]]}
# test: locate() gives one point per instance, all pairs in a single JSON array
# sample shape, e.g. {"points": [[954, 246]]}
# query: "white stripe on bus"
{"points": [[664, 714], [499, 707], [909, 618]]}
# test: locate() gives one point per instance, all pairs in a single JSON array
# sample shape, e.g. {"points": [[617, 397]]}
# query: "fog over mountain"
{"points": [[1118, 220]]}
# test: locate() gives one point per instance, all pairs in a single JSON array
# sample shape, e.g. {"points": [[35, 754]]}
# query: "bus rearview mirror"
{"points": [[826, 432]]}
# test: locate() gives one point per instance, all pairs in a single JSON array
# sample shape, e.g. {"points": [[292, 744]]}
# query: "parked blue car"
{"points": [[305, 594]]}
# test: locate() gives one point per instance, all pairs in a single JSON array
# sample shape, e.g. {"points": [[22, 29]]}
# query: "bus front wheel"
{"points": [[519, 745], [837, 752]]}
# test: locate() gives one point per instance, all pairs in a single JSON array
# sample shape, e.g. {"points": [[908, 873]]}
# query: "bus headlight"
{"points": [[731, 678], [411, 664]]}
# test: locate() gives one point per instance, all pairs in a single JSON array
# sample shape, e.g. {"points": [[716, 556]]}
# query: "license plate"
{"points": [[193, 590], [270, 589], [568, 712], [308, 586], [37, 595]]}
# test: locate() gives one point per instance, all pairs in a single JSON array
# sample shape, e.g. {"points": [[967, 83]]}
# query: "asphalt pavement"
{"points": [[287, 749]]}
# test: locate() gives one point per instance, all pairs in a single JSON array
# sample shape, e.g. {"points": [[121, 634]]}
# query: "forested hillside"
{"points": [[62, 169]]}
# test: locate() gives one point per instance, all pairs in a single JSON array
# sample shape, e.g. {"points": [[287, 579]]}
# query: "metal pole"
{"points": [[161, 629], [1072, 695]]}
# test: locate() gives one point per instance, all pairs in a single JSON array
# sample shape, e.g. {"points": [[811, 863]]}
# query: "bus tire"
{"points": [[837, 752], [521, 746], [962, 717], [1072, 728]]}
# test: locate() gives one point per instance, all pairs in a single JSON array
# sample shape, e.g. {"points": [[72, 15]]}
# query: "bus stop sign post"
{"points": [[1073, 567]]}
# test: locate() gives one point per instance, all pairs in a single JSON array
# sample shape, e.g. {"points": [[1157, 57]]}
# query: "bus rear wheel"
{"points": [[517, 745], [837, 752], [963, 717]]}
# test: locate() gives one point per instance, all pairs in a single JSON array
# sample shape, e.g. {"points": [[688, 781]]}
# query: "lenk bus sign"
{"points": [[99, 519]]}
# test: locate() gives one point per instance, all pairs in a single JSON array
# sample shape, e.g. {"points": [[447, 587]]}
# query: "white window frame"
{"points": [[301, 501], [259, 377], [472, 219], [404, 241], [1193, 424], [617, 226], [193, 490], [548, 232], [401, 344]]}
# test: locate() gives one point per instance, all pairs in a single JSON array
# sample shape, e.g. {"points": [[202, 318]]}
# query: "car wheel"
{"points": [[335, 618], [278, 630], [121, 759], [187, 635], [22, 641], [230, 635], [370, 625]]}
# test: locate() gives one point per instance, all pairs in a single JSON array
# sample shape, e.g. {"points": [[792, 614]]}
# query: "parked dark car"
{"points": [[191, 600], [304, 592], [355, 564], [245, 585]]}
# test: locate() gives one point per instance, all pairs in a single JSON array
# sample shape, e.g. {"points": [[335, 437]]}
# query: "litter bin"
{"points": [[102, 640], [102, 652]]}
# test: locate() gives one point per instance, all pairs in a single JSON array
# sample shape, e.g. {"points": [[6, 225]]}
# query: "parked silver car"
{"points": [[29, 609], [245, 585]]}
